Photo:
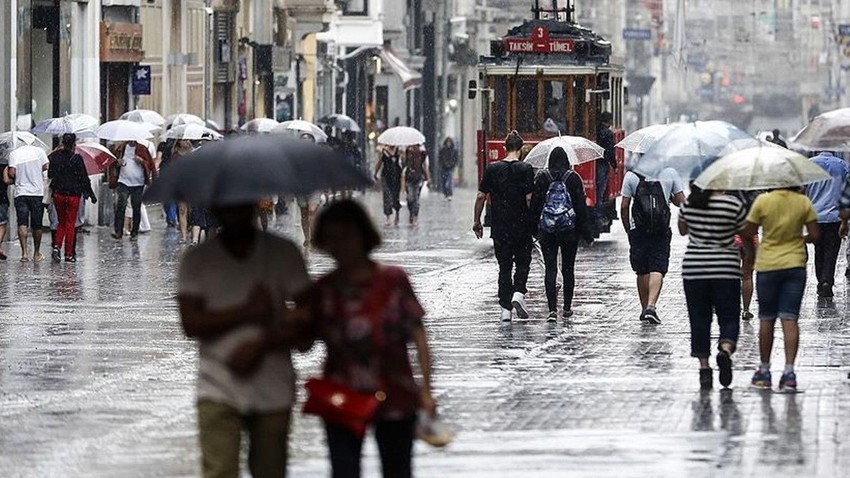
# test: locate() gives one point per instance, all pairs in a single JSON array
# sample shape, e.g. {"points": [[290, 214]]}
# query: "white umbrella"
{"points": [[75, 123], [144, 116], [260, 125], [641, 140], [579, 150], [192, 132], [123, 130], [760, 168], [17, 139], [300, 126], [182, 118], [401, 136], [829, 131]]}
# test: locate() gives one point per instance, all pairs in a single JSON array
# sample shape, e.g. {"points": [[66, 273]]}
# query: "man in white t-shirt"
{"points": [[649, 238], [136, 166], [26, 171], [232, 294]]}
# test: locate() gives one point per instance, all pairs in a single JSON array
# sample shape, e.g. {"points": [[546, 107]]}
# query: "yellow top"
{"points": [[782, 214]]}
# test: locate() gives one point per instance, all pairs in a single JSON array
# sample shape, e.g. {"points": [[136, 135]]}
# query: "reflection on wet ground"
{"points": [[97, 380]]}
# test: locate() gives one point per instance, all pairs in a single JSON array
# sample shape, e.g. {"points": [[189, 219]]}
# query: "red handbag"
{"points": [[338, 403]]}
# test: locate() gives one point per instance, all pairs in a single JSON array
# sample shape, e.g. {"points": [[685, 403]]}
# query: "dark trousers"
{"points": [[826, 252], [414, 195], [512, 252], [392, 190], [395, 445], [134, 194], [550, 245], [705, 298], [447, 175]]}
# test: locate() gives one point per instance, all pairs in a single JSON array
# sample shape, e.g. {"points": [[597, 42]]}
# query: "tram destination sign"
{"points": [[540, 42]]}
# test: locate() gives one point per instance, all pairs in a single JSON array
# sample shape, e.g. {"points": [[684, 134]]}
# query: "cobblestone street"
{"points": [[96, 378]]}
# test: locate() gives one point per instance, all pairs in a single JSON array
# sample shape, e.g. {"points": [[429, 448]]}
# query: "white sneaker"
{"points": [[518, 302], [507, 315]]}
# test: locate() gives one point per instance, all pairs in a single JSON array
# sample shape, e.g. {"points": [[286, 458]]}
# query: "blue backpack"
{"points": [[558, 214]]}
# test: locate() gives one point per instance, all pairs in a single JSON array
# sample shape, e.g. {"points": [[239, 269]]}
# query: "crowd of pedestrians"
{"points": [[724, 248]]}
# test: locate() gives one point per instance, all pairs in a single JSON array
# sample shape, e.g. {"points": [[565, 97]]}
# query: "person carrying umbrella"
{"points": [[389, 168], [69, 182], [825, 197], [26, 171], [560, 204], [134, 169]]}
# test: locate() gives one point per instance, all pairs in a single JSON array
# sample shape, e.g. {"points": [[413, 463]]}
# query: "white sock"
{"points": [[789, 368], [764, 367]]}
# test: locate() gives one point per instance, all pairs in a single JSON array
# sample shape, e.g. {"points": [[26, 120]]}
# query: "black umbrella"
{"points": [[340, 122], [247, 169]]}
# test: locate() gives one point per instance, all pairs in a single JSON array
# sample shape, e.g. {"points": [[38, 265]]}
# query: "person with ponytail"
{"points": [[508, 184], [711, 272]]}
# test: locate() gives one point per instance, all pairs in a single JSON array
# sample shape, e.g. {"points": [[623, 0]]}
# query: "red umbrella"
{"points": [[96, 157]]}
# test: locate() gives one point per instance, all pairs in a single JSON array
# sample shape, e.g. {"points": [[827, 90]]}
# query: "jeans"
{"points": [[706, 297], [512, 251], [447, 176], [220, 432], [550, 244], [134, 194], [170, 210], [395, 445], [826, 252], [780, 293], [66, 231], [414, 191]]}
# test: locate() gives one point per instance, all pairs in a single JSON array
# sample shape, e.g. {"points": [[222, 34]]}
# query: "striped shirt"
{"points": [[711, 252]]}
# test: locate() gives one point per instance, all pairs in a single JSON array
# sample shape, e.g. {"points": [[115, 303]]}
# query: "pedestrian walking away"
{"points": [[560, 205], [70, 183], [416, 174], [825, 197], [388, 169], [776, 139], [448, 161], [26, 171], [645, 210], [164, 154], [604, 166], [781, 273], [128, 176], [509, 184], [366, 314], [711, 272], [232, 293], [747, 251]]}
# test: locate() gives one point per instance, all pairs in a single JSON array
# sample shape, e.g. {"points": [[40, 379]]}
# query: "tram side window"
{"points": [[500, 106], [527, 120], [556, 107], [578, 116]]}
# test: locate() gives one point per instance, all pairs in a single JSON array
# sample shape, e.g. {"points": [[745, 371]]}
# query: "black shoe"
{"points": [[56, 255], [827, 290], [724, 364], [567, 314], [70, 259], [747, 315], [705, 379], [650, 316], [134, 237], [116, 236]]}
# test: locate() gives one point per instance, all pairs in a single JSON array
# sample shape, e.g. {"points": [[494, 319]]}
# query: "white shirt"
{"points": [[211, 273], [29, 162], [132, 172]]}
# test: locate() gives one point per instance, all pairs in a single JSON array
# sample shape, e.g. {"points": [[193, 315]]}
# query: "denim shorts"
{"points": [[649, 253], [780, 293], [30, 211]]}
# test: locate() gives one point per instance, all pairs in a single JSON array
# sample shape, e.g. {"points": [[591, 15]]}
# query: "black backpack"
{"points": [[651, 210]]}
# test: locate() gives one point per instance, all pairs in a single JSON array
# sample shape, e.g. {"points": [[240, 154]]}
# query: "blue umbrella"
{"points": [[250, 168], [692, 147]]}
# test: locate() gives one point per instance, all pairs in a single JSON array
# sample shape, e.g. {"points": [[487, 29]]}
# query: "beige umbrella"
{"points": [[760, 168]]}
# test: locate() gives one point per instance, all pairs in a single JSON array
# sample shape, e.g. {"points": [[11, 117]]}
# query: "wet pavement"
{"points": [[96, 378]]}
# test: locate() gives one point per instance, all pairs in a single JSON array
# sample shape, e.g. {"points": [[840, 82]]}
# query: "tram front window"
{"points": [[556, 107], [499, 117], [527, 120]]}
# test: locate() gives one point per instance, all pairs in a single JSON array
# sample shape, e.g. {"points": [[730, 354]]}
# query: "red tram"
{"points": [[546, 77]]}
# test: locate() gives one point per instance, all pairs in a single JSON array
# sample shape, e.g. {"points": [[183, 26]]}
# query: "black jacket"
{"points": [[68, 176], [575, 188]]}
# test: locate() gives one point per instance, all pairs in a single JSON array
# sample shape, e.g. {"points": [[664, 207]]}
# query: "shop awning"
{"points": [[409, 78]]}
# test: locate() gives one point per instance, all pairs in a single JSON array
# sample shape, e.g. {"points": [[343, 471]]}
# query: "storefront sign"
{"points": [[540, 42], [121, 42]]}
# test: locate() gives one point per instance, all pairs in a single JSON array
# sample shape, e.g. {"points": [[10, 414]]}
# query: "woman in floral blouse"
{"points": [[346, 305]]}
